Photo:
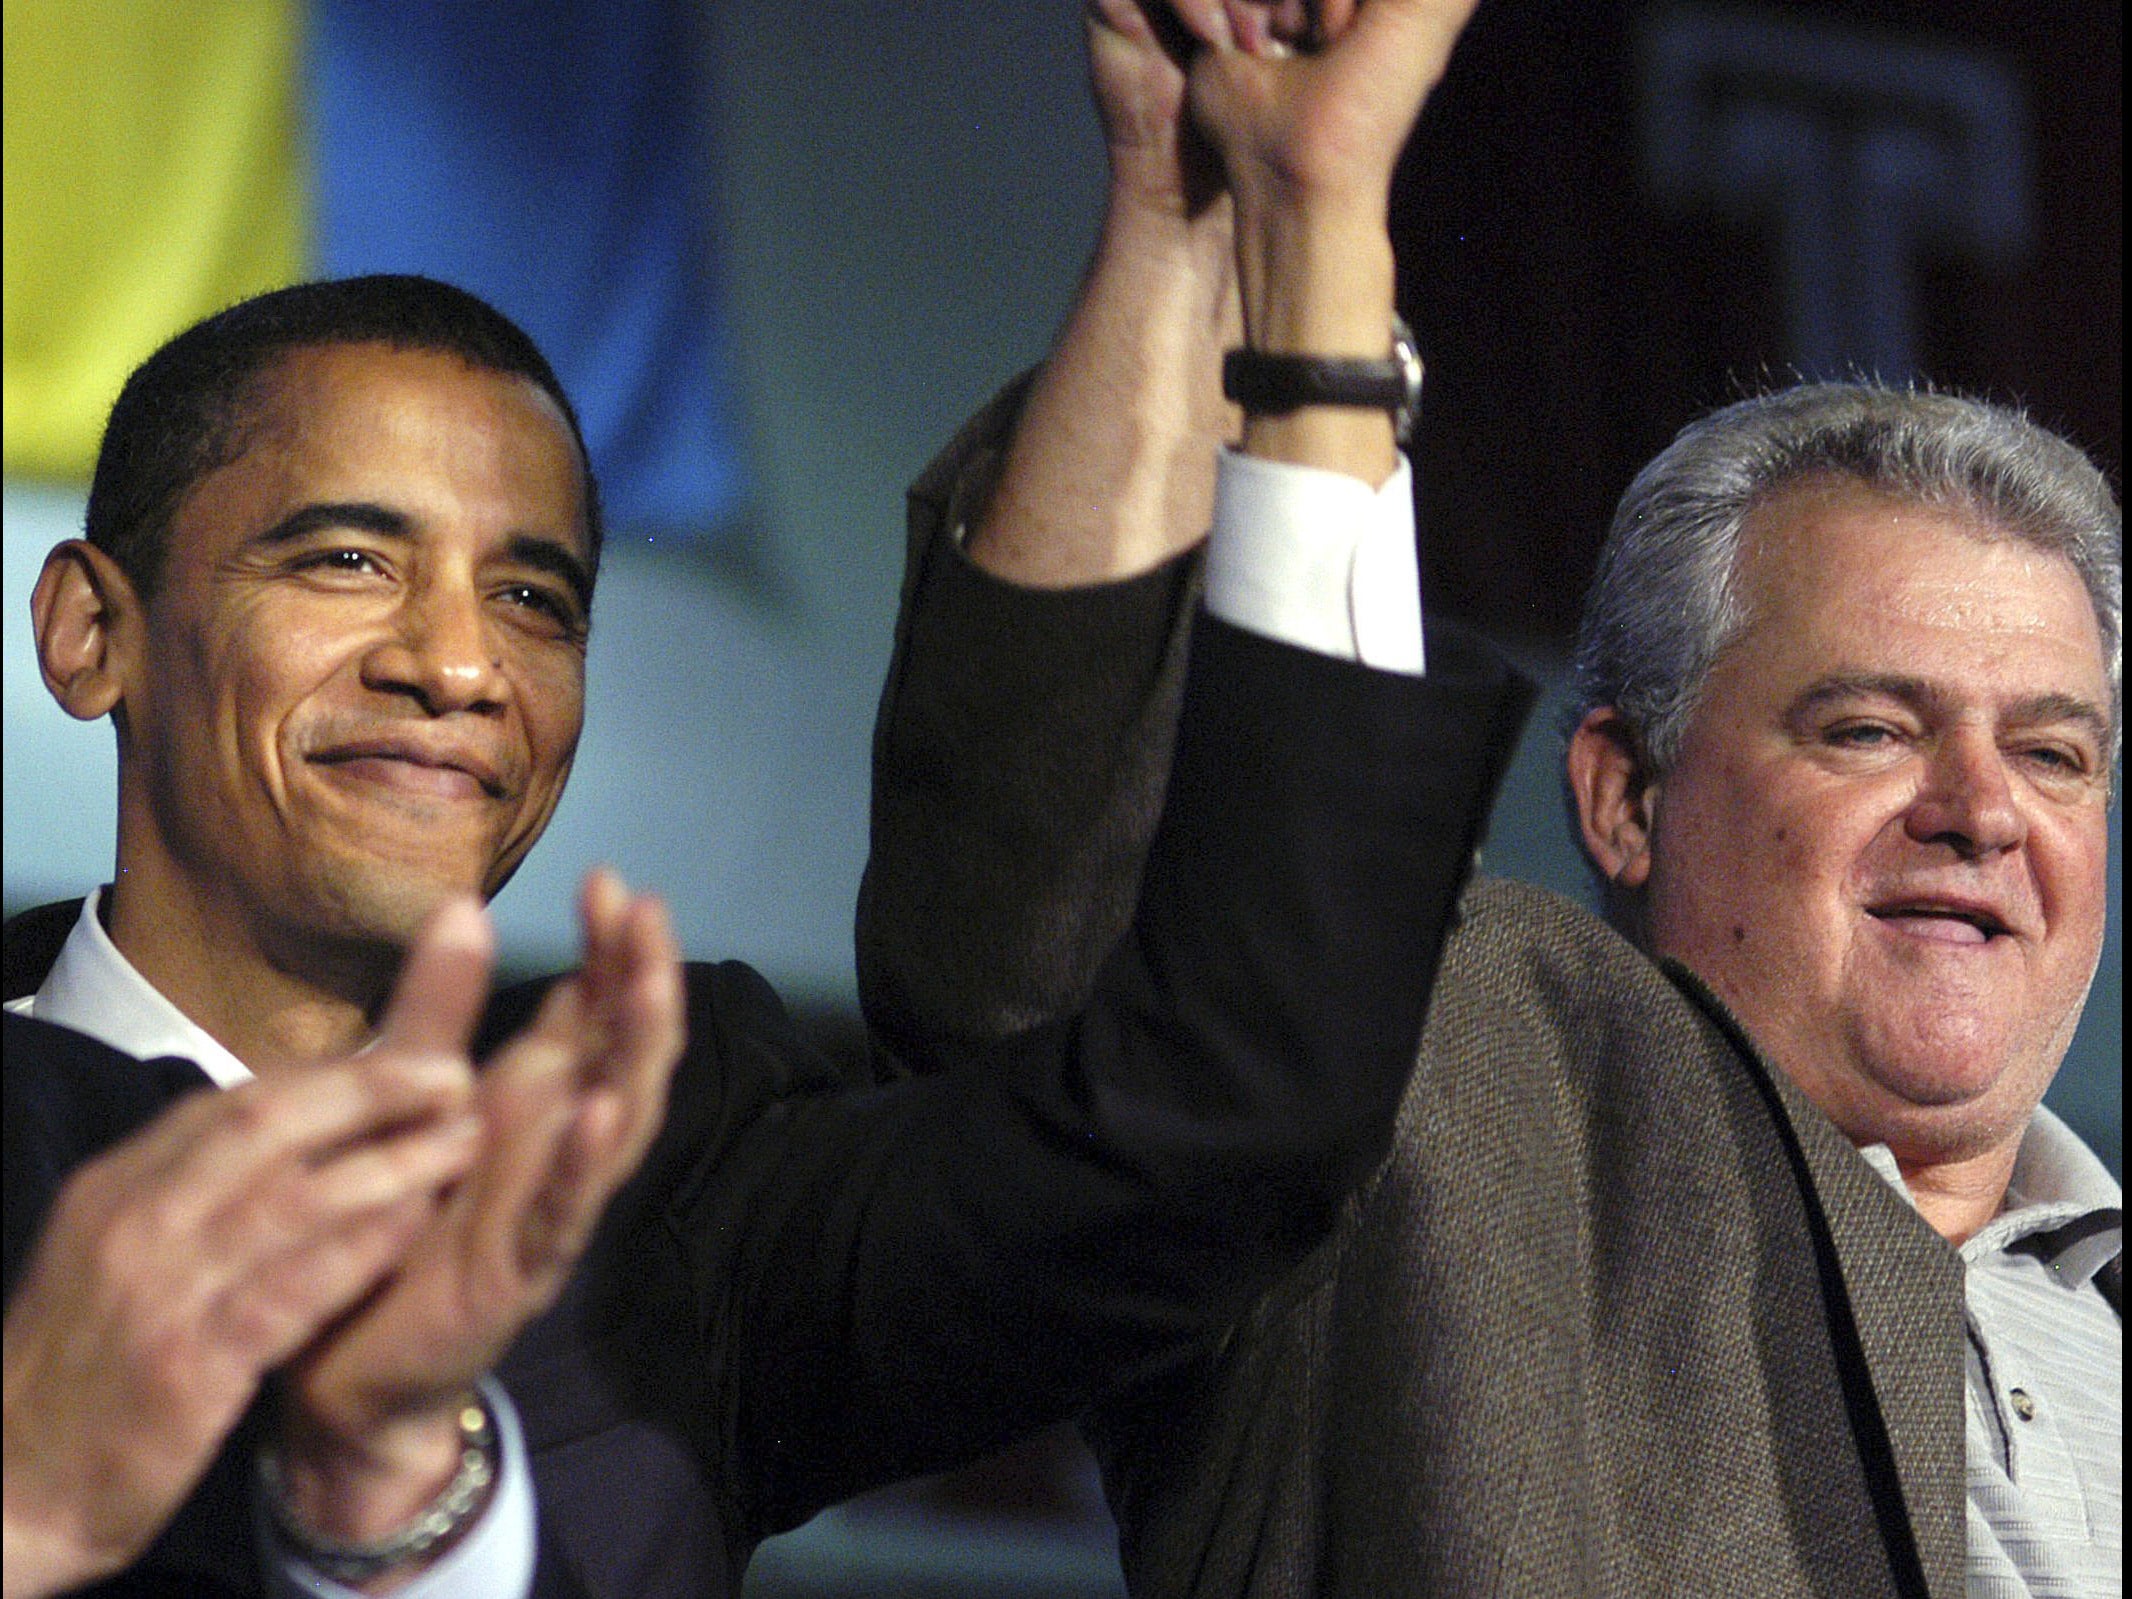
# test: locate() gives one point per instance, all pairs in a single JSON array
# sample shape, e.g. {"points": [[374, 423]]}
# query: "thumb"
{"points": [[443, 984]]}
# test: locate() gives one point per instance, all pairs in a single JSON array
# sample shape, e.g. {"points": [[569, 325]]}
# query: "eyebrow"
{"points": [[363, 514], [527, 549], [2035, 710]]}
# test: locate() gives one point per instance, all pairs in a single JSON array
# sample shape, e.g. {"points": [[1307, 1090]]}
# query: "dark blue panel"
{"points": [[552, 157]]}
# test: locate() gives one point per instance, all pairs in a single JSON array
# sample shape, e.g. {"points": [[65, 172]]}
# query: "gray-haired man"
{"points": [[1688, 1238]]}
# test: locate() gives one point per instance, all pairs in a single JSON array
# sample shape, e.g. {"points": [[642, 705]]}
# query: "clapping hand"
{"points": [[567, 1109], [177, 1269]]}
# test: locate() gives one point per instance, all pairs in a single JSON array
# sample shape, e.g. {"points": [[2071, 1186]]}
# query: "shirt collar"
{"points": [[94, 989], [2060, 1195]]}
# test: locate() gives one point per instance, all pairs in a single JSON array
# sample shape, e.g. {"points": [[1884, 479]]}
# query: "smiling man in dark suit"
{"points": [[334, 598]]}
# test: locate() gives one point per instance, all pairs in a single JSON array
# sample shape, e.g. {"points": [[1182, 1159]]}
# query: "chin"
{"points": [[1924, 1136], [1936, 1078], [380, 908], [1945, 1105]]}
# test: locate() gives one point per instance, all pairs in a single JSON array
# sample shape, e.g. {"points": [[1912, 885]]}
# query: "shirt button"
{"points": [[2024, 1404]]}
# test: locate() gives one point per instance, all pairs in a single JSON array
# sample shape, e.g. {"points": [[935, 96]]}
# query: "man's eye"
{"points": [[546, 602], [1861, 735], [356, 562], [2054, 758]]}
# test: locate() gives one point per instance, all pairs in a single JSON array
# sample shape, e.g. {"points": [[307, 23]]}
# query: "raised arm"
{"points": [[907, 1278], [1028, 715], [1082, 1202], [1111, 471], [1024, 734], [1046, 594]]}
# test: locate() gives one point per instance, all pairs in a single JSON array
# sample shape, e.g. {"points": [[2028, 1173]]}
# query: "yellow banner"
{"points": [[153, 175]]}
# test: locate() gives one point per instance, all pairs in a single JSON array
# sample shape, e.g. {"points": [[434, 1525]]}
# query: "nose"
{"points": [[1968, 802], [439, 652]]}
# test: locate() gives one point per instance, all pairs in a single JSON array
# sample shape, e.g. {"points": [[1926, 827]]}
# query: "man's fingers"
{"points": [[1156, 24], [583, 1087], [1327, 125], [1206, 20], [415, 1163], [268, 1160], [510, 1215], [1121, 16], [602, 907], [146, 1309], [304, 1207], [528, 1092], [1313, 24], [207, 1173], [646, 1023], [631, 976], [562, 1209], [295, 1298], [566, 1107], [611, 1125], [1419, 33], [443, 983], [456, 1298]]}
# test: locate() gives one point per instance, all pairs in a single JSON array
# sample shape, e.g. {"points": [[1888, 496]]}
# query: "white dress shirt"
{"points": [[1317, 559]]}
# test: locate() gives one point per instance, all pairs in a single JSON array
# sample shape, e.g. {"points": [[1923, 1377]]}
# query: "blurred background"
{"points": [[778, 250]]}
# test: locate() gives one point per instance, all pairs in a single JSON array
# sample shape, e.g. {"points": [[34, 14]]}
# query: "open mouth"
{"points": [[1950, 924]]}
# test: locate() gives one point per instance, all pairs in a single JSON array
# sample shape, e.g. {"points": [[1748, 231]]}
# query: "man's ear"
{"points": [[87, 620], [1615, 796]]}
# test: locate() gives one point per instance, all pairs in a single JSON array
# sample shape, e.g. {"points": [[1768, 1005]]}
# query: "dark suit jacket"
{"points": [[1621, 1314], [809, 1290]]}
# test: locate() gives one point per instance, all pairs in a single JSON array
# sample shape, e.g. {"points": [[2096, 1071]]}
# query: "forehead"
{"points": [[1834, 575], [419, 431]]}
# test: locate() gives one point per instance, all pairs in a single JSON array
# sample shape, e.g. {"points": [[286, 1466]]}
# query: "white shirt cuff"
{"points": [[494, 1560], [1317, 559]]}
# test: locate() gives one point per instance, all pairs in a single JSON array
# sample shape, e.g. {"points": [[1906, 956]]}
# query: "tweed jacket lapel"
{"points": [[1901, 1287]]}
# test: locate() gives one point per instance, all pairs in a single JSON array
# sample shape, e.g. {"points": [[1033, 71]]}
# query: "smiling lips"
{"points": [[1945, 921], [415, 768]]}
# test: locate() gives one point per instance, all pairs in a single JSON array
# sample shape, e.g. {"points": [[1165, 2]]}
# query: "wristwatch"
{"points": [[464, 1497], [1274, 385]]}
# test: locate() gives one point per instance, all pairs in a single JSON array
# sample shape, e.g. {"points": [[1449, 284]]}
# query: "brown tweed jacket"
{"points": [[1621, 1314]]}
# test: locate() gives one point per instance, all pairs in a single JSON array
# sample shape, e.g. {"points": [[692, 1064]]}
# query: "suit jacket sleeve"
{"points": [[1032, 1224], [1020, 756]]}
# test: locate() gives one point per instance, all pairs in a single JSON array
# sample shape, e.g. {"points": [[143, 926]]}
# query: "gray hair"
{"points": [[1664, 603]]}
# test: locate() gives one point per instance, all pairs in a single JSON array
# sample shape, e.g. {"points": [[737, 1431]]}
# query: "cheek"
{"points": [[554, 714], [201, 704], [2072, 877], [1832, 837], [265, 695], [1813, 858], [1751, 876]]}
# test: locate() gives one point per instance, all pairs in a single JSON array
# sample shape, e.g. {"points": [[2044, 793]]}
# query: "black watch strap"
{"points": [[1272, 385]]}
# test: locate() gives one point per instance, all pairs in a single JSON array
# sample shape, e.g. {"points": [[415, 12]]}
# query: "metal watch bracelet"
{"points": [[462, 1499]]}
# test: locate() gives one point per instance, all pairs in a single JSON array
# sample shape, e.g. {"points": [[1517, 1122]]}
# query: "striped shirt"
{"points": [[2045, 1423]]}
